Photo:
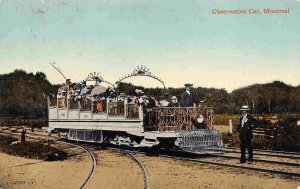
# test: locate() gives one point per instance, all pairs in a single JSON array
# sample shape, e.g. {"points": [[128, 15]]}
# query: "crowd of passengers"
{"points": [[83, 95]]}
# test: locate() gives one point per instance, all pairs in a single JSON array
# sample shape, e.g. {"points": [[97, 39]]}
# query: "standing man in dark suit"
{"points": [[245, 128], [187, 97]]}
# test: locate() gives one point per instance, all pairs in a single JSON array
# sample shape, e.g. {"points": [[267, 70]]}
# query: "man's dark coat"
{"points": [[186, 99], [249, 125]]}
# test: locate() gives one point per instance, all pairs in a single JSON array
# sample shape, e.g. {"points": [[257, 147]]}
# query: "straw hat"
{"points": [[245, 108]]}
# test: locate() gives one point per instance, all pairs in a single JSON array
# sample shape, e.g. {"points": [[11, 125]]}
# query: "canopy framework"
{"points": [[141, 71], [98, 79]]}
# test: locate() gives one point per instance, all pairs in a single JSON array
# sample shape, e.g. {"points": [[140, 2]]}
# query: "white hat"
{"points": [[174, 97], [245, 108]]}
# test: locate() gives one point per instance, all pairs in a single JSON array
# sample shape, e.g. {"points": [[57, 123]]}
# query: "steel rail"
{"points": [[270, 151], [129, 153], [232, 166], [260, 160], [291, 156], [93, 164], [30, 135], [142, 167], [213, 163]]}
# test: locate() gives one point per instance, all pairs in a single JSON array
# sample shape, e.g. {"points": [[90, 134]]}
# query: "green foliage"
{"points": [[275, 97], [287, 135], [128, 88], [231, 140], [23, 94], [262, 142]]}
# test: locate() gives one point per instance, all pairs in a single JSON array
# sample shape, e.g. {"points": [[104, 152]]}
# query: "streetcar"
{"points": [[90, 112]]}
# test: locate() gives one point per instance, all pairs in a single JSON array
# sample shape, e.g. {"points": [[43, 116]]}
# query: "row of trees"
{"points": [[275, 97], [23, 94]]}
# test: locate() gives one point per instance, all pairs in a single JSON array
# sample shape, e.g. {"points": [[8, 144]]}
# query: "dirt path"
{"points": [[176, 174], [115, 170], [17, 172]]}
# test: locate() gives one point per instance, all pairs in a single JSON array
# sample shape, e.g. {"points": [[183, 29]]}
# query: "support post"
{"points": [[125, 107], [141, 113], [230, 126]]}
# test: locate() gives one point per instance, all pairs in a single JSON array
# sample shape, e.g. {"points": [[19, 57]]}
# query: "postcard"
{"points": [[149, 94]]}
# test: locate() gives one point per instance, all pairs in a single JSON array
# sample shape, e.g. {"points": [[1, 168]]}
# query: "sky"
{"points": [[179, 41]]}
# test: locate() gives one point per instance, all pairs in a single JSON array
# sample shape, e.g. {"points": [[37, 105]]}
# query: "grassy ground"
{"points": [[30, 149]]}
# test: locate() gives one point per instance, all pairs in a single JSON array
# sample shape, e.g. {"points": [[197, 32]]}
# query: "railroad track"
{"points": [[129, 153], [31, 135], [90, 153], [290, 155], [260, 160], [92, 157], [233, 166], [223, 163], [85, 148], [269, 151]]}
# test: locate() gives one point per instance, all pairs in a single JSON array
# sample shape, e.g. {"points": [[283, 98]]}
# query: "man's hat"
{"points": [[174, 97], [188, 85], [245, 108], [139, 91]]}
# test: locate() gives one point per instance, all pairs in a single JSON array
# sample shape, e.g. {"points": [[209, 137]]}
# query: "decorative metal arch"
{"points": [[96, 77], [141, 71]]}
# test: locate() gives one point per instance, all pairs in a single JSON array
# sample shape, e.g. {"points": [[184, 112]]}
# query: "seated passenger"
{"points": [[139, 92], [152, 102], [121, 97], [143, 101], [99, 106], [164, 102], [202, 104], [174, 102]]}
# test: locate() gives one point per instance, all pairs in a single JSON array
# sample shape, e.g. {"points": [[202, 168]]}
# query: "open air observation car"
{"points": [[90, 112]]}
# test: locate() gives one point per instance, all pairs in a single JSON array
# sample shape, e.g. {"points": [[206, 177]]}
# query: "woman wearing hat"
{"points": [[246, 125]]}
